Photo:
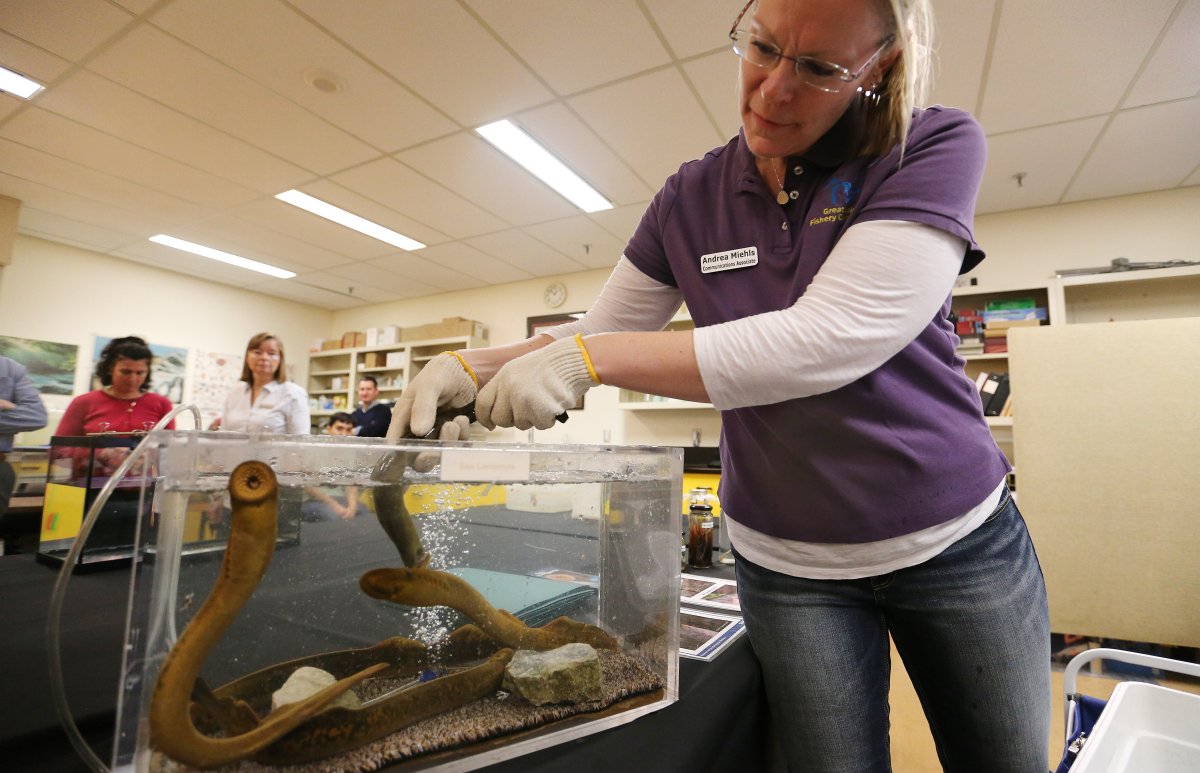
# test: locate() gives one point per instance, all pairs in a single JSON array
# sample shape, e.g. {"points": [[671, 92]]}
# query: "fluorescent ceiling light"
{"points": [[224, 257], [18, 84], [523, 149], [348, 219]]}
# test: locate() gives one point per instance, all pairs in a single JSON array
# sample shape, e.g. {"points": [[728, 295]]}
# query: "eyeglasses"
{"points": [[826, 76]]}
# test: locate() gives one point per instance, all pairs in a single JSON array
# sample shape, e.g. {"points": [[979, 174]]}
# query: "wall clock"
{"points": [[555, 294]]}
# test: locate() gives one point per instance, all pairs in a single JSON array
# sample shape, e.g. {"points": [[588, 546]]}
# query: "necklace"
{"points": [[782, 196]]}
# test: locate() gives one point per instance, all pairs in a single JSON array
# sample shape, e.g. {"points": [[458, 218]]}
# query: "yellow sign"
{"points": [[62, 512]]}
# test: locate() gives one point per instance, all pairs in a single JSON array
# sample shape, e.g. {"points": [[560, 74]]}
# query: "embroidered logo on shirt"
{"points": [[842, 194], [743, 257]]}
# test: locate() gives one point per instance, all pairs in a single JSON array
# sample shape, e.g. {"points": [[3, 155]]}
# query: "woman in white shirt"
{"points": [[266, 401]]}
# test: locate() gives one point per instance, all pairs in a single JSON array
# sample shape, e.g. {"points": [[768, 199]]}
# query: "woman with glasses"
{"points": [[265, 401], [864, 494]]}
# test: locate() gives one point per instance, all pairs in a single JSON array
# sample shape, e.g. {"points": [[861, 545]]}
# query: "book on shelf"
{"points": [[996, 346], [1002, 326], [1037, 313], [994, 393], [970, 344], [1009, 304]]}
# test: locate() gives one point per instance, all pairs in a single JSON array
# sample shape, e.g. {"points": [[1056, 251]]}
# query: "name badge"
{"points": [[743, 257]]}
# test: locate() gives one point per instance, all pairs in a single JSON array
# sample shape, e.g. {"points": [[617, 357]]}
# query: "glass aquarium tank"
{"points": [[397, 621]]}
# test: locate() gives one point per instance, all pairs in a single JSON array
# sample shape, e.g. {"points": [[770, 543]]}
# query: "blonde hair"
{"points": [[906, 84]]}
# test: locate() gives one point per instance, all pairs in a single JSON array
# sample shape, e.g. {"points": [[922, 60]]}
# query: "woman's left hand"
{"points": [[533, 389]]}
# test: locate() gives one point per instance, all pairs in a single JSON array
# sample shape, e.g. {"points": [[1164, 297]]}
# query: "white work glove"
{"points": [[533, 389], [446, 381]]}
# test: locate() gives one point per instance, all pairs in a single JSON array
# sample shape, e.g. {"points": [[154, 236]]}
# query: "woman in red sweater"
{"points": [[124, 404]]}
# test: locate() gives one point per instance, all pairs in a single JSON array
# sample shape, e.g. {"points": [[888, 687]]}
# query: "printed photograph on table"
{"points": [[707, 592], [703, 634], [51, 365], [535, 325], [167, 374]]}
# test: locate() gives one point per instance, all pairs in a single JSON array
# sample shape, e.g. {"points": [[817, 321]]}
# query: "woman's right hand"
{"points": [[447, 381]]}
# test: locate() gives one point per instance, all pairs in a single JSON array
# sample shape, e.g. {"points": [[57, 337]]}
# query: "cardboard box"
{"points": [[389, 334], [375, 359], [449, 327], [394, 360], [330, 344], [353, 338]]}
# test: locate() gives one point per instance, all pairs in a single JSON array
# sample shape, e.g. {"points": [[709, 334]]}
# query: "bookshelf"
{"points": [[1140, 294], [333, 374]]}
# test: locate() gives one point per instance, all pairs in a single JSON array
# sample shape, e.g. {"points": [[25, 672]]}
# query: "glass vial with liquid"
{"points": [[700, 536]]}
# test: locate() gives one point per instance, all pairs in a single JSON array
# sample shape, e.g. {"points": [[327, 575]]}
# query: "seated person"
{"points": [[372, 418], [332, 503]]}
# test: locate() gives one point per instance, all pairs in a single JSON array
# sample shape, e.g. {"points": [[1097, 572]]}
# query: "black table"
{"points": [[718, 723]]}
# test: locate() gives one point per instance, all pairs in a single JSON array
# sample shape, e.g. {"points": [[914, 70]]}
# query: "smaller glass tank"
{"points": [[342, 603]]}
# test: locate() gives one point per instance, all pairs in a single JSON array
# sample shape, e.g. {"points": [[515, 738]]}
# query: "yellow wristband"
{"points": [[466, 367], [587, 358]]}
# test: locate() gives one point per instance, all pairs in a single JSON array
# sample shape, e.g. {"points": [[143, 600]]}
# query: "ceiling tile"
{"points": [[1048, 156], [350, 289], [31, 164], [694, 26], [401, 189], [1173, 71], [155, 64], [368, 278], [467, 260], [431, 274], [523, 251], [715, 78], [120, 112], [671, 126], [61, 229], [467, 164], [622, 221], [474, 79], [964, 30], [95, 150], [29, 60], [580, 239], [582, 44], [72, 206], [1112, 170], [1085, 49], [71, 30], [569, 138], [295, 56]]}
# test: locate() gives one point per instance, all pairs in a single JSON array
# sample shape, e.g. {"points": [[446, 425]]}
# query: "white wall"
{"points": [[504, 309], [59, 293], [1029, 245]]}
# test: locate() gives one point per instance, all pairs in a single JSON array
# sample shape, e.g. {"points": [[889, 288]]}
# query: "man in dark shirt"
{"points": [[372, 417]]}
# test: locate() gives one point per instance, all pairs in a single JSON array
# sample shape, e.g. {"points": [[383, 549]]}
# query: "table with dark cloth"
{"points": [[719, 722]]}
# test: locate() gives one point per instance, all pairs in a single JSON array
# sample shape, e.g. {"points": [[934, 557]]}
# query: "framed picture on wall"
{"points": [[535, 325]]}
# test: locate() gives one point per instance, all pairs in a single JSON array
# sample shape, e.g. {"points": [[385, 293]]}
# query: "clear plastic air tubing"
{"points": [[53, 626]]}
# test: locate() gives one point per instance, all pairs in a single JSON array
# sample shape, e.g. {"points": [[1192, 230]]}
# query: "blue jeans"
{"points": [[970, 624]]}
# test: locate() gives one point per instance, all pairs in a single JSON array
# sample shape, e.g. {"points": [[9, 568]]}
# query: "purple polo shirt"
{"points": [[901, 449]]}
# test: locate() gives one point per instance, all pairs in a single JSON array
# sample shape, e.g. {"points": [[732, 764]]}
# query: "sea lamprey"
{"points": [[429, 587], [253, 492]]}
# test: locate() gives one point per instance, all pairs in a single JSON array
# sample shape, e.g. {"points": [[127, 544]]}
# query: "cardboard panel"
{"points": [[1107, 438]]}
